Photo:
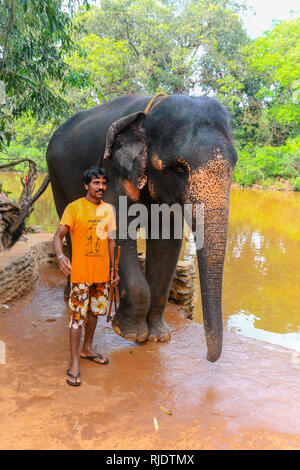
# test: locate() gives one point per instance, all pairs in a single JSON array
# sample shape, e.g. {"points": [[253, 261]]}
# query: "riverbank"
{"points": [[150, 396], [279, 184], [269, 166]]}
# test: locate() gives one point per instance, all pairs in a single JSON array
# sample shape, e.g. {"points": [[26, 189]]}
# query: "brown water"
{"points": [[261, 289], [44, 212]]}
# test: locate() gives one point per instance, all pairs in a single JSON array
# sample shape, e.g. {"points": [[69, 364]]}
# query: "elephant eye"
{"points": [[179, 168]]}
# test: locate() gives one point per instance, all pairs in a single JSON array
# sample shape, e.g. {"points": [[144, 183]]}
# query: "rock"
{"points": [[182, 286], [20, 267]]}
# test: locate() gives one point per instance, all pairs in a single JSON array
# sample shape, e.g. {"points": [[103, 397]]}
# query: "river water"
{"points": [[261, 288]]}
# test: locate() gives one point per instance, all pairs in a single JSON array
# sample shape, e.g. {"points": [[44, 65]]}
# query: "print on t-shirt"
{"points": [[95, 244], [97, 231]]}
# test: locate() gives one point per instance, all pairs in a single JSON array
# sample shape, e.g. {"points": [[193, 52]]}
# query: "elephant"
{"points": [[162, 150]]}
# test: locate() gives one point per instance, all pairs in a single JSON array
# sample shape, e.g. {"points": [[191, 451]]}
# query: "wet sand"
{"points": [[249, 399]]}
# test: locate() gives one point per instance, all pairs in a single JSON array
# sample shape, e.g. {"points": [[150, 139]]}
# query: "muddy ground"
{"points": [[249, 399]]}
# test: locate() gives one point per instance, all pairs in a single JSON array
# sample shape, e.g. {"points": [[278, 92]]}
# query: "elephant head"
{"points": [[182, 153]]}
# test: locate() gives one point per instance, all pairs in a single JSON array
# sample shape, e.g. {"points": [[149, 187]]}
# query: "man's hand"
{"points": [[114, 280], [65, 265], [63, 261]]}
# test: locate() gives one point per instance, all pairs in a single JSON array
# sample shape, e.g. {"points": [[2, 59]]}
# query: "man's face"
{"points": [[97, 187]]}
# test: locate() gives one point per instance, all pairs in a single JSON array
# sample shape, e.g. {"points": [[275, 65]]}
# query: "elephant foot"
{"points": [[158, 330], [129, 329]]}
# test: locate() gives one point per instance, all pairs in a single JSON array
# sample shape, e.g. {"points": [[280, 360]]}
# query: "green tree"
{"points": [[35, 36], [275, 57], [262, 87], [149, 46]]}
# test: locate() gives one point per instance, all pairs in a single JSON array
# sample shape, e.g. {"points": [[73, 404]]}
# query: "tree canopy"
{"points": [[56, 59], [148, 46], [274, 60], [35, 36]]}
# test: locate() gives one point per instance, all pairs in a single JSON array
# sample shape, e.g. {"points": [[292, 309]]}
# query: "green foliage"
{"points": [[266, 164], [55, 61], [35, 36], [147, 46], [264, 92], [18, 151], [32, 133], [296, 184], [109, 76]]}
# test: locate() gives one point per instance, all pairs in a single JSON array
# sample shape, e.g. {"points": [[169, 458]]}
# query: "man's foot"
{"points": [[98, 358], [73, 379]]}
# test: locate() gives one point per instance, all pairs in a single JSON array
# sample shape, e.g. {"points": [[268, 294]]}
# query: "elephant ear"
{"points": [[126, 145]]}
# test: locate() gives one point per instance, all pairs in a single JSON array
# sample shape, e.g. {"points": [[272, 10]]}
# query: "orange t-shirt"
{"points": [[89, 225]]}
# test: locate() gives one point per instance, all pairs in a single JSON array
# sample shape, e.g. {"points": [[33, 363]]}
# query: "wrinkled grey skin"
{"points": [[181, 152]]}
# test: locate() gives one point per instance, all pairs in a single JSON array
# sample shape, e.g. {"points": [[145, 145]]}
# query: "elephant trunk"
{"points": [[210, 262]]}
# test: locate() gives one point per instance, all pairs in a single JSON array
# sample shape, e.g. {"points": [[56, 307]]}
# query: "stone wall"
{"points": [[182, 288], [19, 266]]}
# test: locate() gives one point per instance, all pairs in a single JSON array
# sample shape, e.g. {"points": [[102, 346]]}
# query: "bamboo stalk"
{"points": [[112, 289]]}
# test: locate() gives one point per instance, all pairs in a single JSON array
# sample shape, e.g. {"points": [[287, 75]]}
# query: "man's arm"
{"points": [[63, 261]]}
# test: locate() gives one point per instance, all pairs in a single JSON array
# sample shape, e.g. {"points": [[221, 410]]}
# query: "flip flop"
{"points": [[69, 382], [98, 356]]}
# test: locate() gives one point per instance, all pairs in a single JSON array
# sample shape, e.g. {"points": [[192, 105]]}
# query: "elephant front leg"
{"points": [[161, 260], [130, 319]]}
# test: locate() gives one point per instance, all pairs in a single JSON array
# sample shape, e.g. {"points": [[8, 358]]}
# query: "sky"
{"points": [[266, 11]]}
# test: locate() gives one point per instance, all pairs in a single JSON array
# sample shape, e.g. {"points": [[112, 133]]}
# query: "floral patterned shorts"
{"points": [[85, 298]]}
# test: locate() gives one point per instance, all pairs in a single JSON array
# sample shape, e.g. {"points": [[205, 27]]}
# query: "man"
{"points": [[91, 224]]}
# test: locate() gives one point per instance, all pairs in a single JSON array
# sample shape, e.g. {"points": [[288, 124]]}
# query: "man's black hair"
{"points": [[94, 172]]}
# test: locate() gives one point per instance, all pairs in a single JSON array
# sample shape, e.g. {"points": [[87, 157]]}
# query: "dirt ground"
{"points": [[249, 399]]}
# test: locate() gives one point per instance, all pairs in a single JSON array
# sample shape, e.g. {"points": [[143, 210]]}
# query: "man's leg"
{"points": [[89, 332], [78, 303], [98, 296], [75, 335]]}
